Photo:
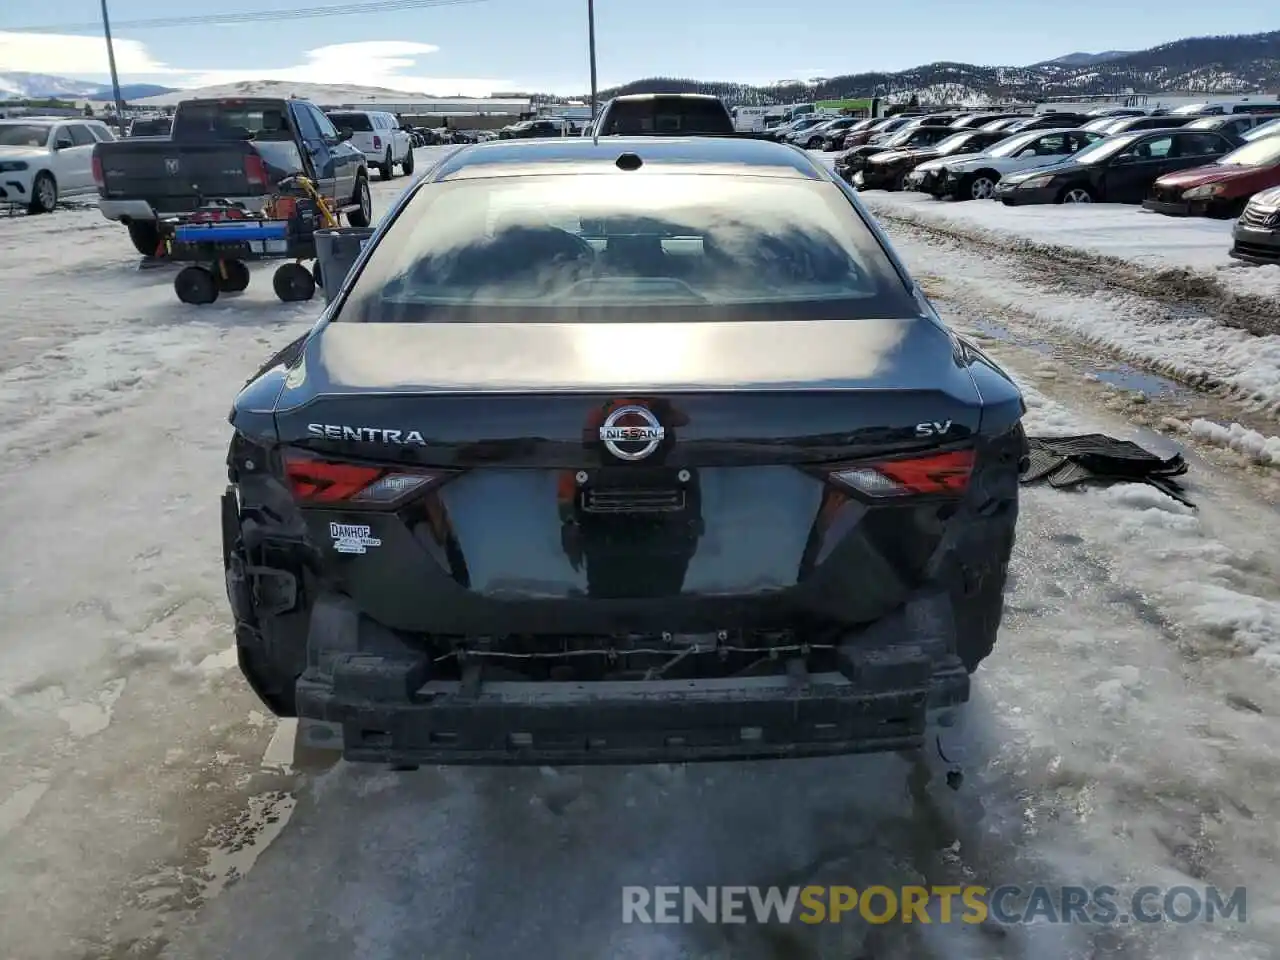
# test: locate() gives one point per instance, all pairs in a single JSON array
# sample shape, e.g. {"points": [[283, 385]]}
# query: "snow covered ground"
{"points": [[1122, 733], [1120, 231]]}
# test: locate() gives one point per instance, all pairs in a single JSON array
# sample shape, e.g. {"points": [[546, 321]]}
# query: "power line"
{"points": [[249, 16]]}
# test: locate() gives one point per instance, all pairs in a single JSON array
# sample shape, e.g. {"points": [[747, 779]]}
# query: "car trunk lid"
{"points": [[449, 394]]}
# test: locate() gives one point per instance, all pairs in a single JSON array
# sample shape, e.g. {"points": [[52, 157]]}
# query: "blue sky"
{"points": [[479, 45]]}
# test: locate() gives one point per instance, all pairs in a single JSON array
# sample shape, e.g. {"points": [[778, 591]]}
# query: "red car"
{"points": [[1219, 189]]}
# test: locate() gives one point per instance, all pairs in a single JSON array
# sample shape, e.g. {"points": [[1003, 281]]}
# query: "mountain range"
{"points": [[1198, 65], [39, 86], [1085, 59]]}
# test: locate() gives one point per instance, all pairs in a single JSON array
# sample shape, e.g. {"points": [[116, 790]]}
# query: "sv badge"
{"points": [[933, 428]]}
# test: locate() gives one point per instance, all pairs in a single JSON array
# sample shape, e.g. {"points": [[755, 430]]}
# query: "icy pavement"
{"points": [[1122, 733]]}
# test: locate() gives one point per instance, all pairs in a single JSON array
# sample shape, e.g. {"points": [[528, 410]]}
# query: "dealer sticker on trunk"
{"points": [[352, 538]]}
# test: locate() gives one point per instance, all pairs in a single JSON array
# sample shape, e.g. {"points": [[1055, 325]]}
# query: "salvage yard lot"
{"points": [[1123, 732]]}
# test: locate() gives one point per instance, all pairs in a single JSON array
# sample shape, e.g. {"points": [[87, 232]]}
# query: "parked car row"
{"points": [[1217, 166], [1108, 158], [845, 133]]}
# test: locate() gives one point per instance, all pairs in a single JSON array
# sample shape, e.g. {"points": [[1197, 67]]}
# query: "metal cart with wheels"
{"points": [[219, 250], [221, 253]]}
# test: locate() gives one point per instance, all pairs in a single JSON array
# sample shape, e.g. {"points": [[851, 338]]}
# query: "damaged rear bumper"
{"points": [[389, 709]]}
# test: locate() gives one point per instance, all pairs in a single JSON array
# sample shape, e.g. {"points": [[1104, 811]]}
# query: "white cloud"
{"points": [[73, 55], [370, 63]]}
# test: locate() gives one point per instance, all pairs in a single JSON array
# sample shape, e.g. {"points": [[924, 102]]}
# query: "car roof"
{"points": [[682, 96], [1135, 135], [511, 158]]}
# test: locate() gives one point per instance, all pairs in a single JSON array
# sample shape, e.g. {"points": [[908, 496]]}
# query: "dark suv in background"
{"points": [[530, 129], [664, 114]]}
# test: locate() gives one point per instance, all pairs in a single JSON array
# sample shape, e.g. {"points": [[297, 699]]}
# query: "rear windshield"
{"points": [[667, 115], [644, 247], [356, 122], [230, 121], [150, 128]]}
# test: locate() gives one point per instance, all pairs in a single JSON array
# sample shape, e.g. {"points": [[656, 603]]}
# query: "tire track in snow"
{"points": [[1173, 286]]}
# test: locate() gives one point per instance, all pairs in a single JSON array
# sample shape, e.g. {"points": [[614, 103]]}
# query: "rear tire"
{"points": [[387, 168], [978, 621], [44, 193], [236, 278], [293, 283], [363, 216], [271, 647], [196, 285], [145, 237], [977, 595], [407, 166]]}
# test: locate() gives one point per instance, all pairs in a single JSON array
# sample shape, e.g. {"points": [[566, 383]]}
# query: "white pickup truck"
{"points": [[378, 136]]}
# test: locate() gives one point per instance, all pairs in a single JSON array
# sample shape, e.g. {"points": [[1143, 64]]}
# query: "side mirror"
{"points": [[63, 143], [345, 134]]}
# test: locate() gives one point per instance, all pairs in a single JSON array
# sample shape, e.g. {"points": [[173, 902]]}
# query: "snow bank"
{"points": [[1119, 231], [1170, 553], [1250, 443], [1174, 343]]}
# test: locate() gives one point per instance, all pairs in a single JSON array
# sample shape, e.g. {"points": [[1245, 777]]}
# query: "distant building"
{"points": [[451, 106], [12, 112]]}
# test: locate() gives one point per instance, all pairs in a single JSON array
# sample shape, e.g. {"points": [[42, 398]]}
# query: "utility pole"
{"points": [[111, 60], [590, 40]]}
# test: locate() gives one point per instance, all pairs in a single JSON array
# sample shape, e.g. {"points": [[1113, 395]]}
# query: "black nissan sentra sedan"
{"points": [[642, 450]]}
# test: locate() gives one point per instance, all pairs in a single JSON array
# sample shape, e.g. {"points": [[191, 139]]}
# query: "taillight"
{"points": [[317, 480], [255, 170], [936, 473], [98, 176], [377, 143]]}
